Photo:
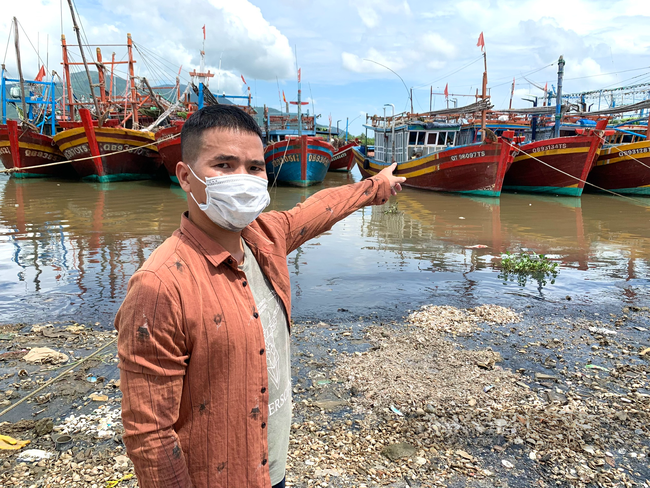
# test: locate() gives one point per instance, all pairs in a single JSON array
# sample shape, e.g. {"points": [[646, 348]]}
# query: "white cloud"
{"points": [[375, 12], [236, 31]]}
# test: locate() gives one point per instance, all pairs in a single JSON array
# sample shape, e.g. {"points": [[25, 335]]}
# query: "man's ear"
{"points": [[183, 175]]}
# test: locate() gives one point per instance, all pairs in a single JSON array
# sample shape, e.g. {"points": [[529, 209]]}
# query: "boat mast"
{"points": [[134, 93], [299, 108], [20, 71], [75, 27], [66, 70], [558, 101], [484, 96]]}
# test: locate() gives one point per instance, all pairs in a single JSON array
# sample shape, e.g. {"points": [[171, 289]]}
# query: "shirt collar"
{"points": [[211, 249]]}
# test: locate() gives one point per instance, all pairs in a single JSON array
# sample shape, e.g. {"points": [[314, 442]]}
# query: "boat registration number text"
{"points": [[550, 147], [476, 154], [317, 158], [4, 150], [40, 154], [291, 158], [71, 152], [124, 147], [638, 150]]}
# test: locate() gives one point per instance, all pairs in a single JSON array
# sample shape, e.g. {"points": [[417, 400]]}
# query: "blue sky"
{"points": [[428, 43]]}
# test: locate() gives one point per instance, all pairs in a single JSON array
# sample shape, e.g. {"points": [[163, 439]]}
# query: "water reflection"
{"points": [[67, 249]]}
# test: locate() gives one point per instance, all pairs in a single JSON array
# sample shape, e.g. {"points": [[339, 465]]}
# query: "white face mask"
{"points": [[233, 201]]}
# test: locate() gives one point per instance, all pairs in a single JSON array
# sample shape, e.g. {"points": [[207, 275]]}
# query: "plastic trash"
{"points": [[34, 455], [45, 355], [396, 411], [10, 444]]}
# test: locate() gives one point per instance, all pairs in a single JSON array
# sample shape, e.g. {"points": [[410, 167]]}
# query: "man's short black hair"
{"points": [[227, 117]]}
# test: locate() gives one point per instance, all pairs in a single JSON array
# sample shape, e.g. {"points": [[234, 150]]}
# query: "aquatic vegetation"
{"points": [[392, 209], [524, 266]]}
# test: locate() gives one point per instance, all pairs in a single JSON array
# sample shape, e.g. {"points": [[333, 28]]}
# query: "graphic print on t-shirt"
{"points": [[271, 308]]}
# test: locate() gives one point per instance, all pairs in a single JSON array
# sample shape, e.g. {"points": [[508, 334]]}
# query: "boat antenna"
{"points": [[408, 92], [313, 107], [83, 58]]}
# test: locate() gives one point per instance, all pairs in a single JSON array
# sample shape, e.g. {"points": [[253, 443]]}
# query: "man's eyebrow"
{"points": [[224, 157]]}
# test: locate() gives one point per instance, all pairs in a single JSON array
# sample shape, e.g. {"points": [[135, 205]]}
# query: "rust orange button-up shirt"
{"points": [[191, 347]]}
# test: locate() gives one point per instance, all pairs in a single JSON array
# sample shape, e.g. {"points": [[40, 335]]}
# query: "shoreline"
{"points": [[470, 397]]}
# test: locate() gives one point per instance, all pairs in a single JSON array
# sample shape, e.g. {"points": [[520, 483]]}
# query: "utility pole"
{"points": [[346, 128], [558, 100]]}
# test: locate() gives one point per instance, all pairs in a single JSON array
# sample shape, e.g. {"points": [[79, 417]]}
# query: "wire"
{"points": [[452, 73], [7, 49]]}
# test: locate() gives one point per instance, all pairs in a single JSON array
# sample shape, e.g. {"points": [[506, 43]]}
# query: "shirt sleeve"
{"points": [[152, 352], [322, 210]]}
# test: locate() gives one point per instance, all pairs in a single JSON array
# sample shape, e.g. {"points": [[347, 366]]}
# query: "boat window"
{"points": [[442, 138], [450, 138], [431, 138], [412, 138], [421, 138]]}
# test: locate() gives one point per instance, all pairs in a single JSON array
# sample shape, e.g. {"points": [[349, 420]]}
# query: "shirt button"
{"points": [[261, 351], [244, 284], [263, 424], [256, 315], [263, 462], [229, 261], [263, 390]]}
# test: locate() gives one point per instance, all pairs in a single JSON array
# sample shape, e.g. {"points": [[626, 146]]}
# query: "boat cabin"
{"points": [[413, 140]]}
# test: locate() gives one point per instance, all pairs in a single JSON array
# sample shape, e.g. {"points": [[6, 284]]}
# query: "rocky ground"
{"points": [[481, 397]]}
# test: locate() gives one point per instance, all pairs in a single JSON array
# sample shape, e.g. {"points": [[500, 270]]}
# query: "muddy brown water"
{"points": [[67, 249]]}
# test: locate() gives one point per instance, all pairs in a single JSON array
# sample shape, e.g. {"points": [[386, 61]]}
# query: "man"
{"points": [[204, 329]]}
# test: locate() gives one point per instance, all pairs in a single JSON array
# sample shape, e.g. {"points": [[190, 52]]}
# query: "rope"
{"points": [[12, 170], [281, 163], [574, 177], [8, 409]]}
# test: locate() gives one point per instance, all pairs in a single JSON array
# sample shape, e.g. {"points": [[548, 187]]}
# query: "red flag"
{"points": [[41, 74], [283, 97], [447, 90], [298, 75], [481, 42], [204, 32], [242, 78]]}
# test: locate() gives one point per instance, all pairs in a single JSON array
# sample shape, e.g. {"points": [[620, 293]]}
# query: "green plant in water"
{"points": [[522, 267], [392, 209]]}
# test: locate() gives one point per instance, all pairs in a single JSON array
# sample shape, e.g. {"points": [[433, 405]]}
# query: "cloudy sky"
{"points": [[427, 43]]}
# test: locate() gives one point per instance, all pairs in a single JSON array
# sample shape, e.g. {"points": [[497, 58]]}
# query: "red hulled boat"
{"points": [[623, 168], [343, 157], [559, 166], [25, 148]]}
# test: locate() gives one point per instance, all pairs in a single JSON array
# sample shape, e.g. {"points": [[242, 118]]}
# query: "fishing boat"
{"points": [[298, 161], [623, 165], [623, 168], [26, 145], [108, 145], [559, 165], [169, 147], [427, 156], [27, 151], [294, 155], [343, 157], [109, 153]]}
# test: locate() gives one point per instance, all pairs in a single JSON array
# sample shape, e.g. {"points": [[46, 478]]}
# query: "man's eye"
{"points": [[257, 168], [221, 165]]}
